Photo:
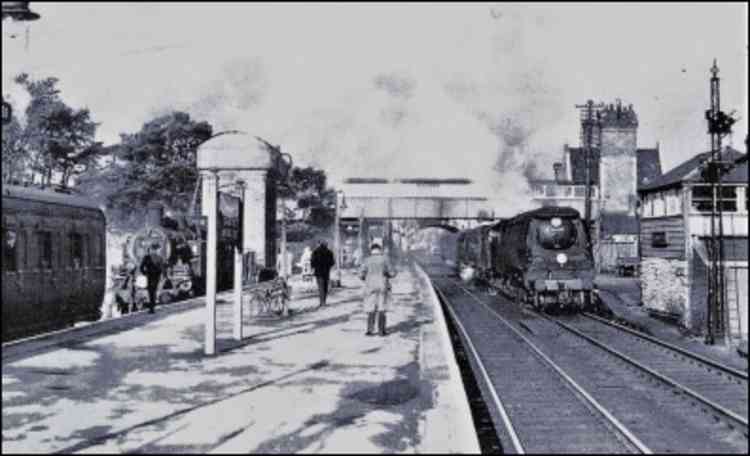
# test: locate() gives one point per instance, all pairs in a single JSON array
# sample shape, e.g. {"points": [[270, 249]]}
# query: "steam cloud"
{"points": [[407, 122]]}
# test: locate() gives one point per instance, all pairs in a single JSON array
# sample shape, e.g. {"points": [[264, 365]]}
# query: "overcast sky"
{"points": [[436, 90]]}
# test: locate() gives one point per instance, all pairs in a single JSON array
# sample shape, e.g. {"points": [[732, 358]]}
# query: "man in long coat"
{"points": [[376, 271], [322, 261]]}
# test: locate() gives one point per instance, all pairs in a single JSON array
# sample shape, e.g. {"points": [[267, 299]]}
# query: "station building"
{"points": [[619, 168], [675, 230]]}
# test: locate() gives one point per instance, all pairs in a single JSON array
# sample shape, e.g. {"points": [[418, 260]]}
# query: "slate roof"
{"points": [[647, 160], [50, 197], [578, 165], [649, 165], [682, 172]]}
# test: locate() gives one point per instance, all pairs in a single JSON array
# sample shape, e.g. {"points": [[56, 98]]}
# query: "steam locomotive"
{"points": [[540, 257], [181, 241]]}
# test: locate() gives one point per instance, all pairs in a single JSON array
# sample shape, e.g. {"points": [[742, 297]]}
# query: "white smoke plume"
{"points": [[384, 119]]}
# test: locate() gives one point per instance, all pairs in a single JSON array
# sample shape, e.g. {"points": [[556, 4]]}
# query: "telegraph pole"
{"points": [[719, 125], [588, 123]]}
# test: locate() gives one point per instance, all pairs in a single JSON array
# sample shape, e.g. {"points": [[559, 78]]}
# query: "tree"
{"points": [[156, 164], [15, 158], [308, 187], [56, 141], [70, 142]]}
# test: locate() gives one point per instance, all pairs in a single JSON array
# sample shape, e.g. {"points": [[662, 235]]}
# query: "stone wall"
{"points": [[665, 286], [696, 318]]}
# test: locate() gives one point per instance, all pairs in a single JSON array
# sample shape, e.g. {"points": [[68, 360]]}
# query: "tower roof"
{"points": [[618, 116]]}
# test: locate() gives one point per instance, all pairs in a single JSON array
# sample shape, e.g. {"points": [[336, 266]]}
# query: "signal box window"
{"points": [[45, 249], [76, 250], [10, 251], [659, 239], [703, 198]]}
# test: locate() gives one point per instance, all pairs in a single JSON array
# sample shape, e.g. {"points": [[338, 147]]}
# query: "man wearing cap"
{"points": [[376, 271], [152, 266]]}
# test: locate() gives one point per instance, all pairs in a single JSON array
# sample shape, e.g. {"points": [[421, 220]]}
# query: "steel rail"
{"points": [[663, 378], [498, 403], [716, 365], [621, 428]]}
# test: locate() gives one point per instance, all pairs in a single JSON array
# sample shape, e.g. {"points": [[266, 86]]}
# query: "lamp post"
{"points": [[340, 205]]}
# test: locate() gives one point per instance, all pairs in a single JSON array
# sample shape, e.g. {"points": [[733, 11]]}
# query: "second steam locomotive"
{"points": [[541, 257], [181, 241]]}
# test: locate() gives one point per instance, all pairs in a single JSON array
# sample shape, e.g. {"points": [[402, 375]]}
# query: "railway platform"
{"points": [[622, 297], [311, 382]]}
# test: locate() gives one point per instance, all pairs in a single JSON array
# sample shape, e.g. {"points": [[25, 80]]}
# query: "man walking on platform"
{"points": [[376, 271], [152, 267], [322, 261]]}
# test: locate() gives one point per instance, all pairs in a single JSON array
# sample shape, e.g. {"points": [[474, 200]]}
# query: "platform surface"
{"points": [[312, 383]]}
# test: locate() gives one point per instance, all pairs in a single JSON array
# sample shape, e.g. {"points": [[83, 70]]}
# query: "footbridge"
{"points": [[413, 199]]}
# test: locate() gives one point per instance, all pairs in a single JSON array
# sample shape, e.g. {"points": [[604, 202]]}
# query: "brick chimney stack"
{"points": [[558, 167]]}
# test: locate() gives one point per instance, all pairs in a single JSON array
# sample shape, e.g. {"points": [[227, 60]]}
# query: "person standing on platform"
{"points": [[152, 267], [322, 261], [376, 271]]}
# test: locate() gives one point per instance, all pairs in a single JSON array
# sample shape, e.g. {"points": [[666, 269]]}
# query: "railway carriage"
{"points": [[54, 268], [475, 249]]}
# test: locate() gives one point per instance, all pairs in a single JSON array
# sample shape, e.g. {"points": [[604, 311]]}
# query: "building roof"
{"points": [[647, 160], [612, 224], [578, 165], [686, 171], [649, 165], [49, 197]]}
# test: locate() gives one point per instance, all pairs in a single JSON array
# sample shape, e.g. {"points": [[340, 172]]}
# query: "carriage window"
{"points": [[76, 250], [96, 251], [44, 245], [10, 251]]}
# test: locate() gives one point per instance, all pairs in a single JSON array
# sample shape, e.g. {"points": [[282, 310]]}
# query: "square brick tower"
{"points": [[618, 166], [617, 227]]}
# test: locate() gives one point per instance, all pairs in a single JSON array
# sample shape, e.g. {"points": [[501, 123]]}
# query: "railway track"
{"points": [[543, 410], [622, 386], [721, 390]]}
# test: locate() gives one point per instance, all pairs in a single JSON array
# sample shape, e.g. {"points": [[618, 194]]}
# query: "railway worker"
{"points": [[152, 267], [376, 271], [322, 262]]}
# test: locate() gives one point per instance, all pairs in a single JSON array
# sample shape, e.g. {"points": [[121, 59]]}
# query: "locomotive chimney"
{"points": [[154, 214], [558, 172]]}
